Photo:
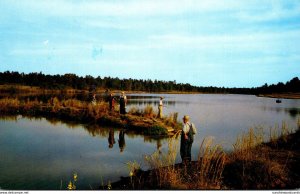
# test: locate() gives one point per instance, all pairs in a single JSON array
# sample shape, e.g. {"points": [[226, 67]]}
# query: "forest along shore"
{"points": [[141, 121], [89, 83]]}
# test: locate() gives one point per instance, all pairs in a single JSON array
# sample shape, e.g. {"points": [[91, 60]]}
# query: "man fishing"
{"points": [[187, 138]]}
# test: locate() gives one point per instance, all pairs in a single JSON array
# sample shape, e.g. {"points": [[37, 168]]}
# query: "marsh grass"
{"points": [[210, 165], [56, 105], [205, 173], [247, 141], [164, 173], [254, 165]]}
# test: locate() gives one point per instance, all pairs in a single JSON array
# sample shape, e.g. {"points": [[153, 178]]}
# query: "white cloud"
{"points": [[137, 7], [251, 41], [275, 11], [104, 24]]}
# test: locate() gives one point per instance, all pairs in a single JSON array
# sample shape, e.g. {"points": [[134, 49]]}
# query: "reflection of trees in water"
{"points": [[96, 130], [293, 112], [155, 103], [142, 97], [56, 122], [8, 118], [87, 97], [159, 141]]}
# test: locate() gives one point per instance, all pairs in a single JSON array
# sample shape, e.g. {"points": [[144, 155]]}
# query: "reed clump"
{"points": [[171, 120], [147, 112]]}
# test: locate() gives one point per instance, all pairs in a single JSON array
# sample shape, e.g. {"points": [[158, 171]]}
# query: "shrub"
{"points": [[155, 130]]}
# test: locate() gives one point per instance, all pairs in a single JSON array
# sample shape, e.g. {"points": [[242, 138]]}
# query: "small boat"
{"points": [[278, 101]]}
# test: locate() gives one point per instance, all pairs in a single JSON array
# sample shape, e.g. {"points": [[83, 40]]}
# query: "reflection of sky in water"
{"points": [[40, 152]]}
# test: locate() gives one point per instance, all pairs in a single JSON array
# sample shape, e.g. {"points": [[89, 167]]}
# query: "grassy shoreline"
{"points": [[253, 164]]}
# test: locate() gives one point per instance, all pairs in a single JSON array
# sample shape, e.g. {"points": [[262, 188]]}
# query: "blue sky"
{"points": [[202, 42]]}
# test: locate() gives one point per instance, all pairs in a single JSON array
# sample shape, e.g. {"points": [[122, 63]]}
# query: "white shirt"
{"points": [[160, 103], [123, 96], [187, 126]]}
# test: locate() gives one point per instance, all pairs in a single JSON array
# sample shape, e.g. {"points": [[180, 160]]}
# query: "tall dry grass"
{"points": [[7, 103], [70, 107], [251, 164], [210, 165], [163, 165], [205, 173], [147, 111], [246, 142]]}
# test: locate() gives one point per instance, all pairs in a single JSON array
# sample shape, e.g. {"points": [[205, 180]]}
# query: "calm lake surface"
{"points": [[43, 154]]}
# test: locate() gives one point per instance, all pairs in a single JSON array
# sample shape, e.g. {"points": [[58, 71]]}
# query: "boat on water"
{"points": [[278, 101]]}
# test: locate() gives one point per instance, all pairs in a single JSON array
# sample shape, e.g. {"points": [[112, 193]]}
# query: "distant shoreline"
{"points": [[281, 95], [16, 88]]}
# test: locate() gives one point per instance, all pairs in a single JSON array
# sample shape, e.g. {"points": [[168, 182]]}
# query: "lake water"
{"points": [[43, 154]]}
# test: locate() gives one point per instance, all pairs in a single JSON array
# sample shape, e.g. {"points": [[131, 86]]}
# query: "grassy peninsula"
{"points": [[141, 121]]}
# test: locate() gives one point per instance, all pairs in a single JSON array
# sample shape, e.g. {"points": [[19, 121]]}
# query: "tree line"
{"points": [[90, 83]]}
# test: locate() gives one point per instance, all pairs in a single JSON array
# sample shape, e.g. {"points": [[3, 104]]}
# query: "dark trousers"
{"points": [[122, 109], [185, 151]]}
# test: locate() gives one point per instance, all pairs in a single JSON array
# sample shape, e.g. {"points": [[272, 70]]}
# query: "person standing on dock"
{"points": [[160, 108], [187, 138], [123, 102]]}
